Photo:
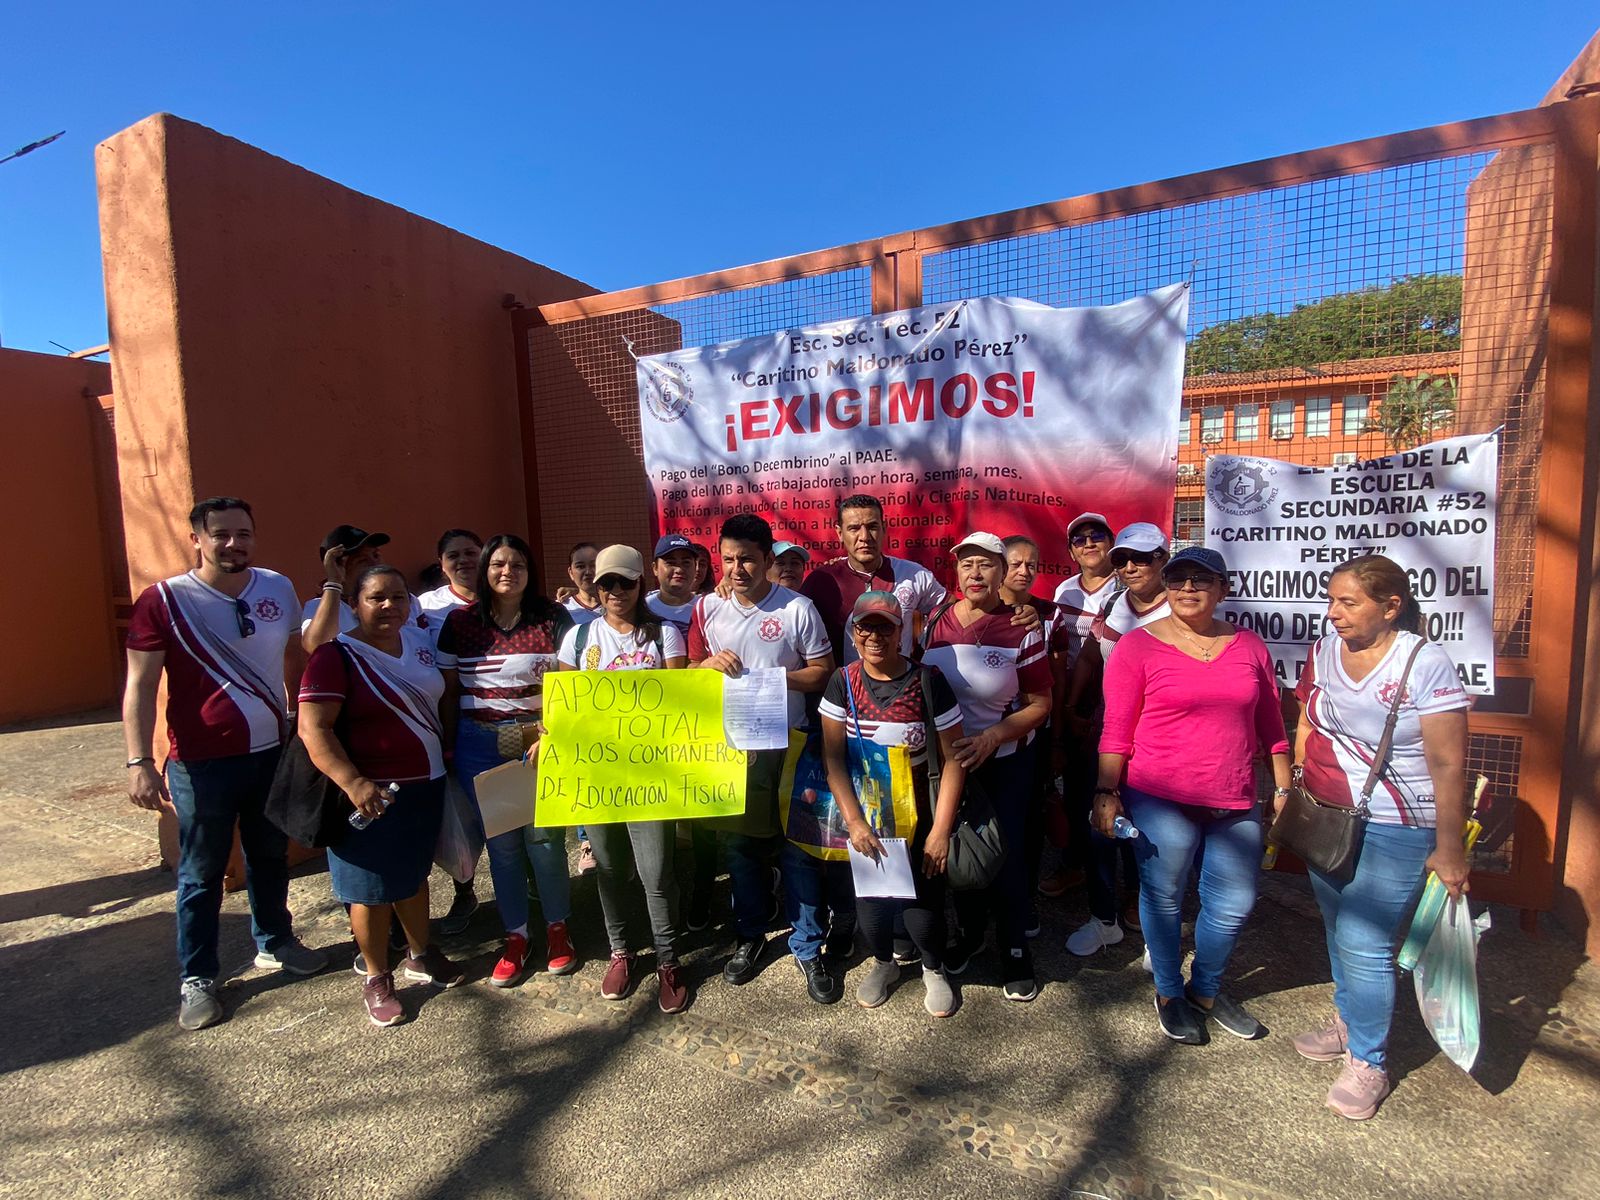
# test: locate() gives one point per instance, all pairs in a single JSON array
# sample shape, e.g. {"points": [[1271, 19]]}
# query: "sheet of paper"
{"points": [[889, 878], [755, 710], [505, 796]]}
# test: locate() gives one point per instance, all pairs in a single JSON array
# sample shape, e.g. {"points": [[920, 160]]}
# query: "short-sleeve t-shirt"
{"points": [[782, 630], [439, 604], [604, 649], [501, 671], [1347, 720], [835, 586], [224, 690], [889, 711], [389, 715], [1080, 607], [679, 614], [1122, 620], [580, 614], [347, 615], [990, 664]]}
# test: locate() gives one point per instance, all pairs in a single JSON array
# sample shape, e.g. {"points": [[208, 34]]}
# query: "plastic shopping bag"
{"points": [[811, 819], [460, 841], [1447, 982]]}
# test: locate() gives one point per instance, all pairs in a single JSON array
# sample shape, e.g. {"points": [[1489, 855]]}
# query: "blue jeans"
{"points": [[750, 874], [1362, 918], [1169, 836], [512, 852], [818, 896], [210, 796]]}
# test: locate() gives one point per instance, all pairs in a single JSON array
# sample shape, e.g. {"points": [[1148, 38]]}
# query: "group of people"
{"points": [[1122, 711]]}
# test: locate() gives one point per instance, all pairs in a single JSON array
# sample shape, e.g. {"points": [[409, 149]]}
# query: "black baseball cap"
{"points": [[352, 538]]}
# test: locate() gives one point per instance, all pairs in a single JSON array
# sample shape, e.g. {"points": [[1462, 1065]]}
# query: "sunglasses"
{"points": [[1137, 558], [1187, 581], [247, 627], [615, 583], [882, 631], [1093, 535]]}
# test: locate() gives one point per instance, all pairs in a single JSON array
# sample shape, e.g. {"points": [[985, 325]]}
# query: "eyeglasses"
{"points": [[247, 627], [1191, 582], [1137, 558], [1093, 535], [615, 583], [878, 630]]}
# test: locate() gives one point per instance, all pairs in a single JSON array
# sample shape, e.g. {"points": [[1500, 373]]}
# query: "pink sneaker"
{"points": [[1327, 1044], [1359, 1090]]}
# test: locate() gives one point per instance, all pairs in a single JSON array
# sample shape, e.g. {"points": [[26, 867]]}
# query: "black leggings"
{"points": [[923, 917]]}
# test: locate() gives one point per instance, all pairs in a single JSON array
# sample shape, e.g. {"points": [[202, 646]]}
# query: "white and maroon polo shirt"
{"points": [[389, 705], [224, 690], [990, 665], [783, 630], [835, 586]]}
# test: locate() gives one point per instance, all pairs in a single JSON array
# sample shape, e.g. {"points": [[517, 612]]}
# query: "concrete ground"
{"points": [[549, 1090]]}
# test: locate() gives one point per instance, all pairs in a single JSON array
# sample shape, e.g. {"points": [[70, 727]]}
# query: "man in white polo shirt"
{"points": [[762, 624], [221, 632]]}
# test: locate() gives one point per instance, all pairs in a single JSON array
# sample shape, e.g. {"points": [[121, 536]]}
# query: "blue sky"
{"points": [[625, 144]]}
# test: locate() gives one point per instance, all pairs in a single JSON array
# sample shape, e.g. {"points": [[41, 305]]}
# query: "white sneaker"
{"points": [[1149, 969], [1094, 937]]}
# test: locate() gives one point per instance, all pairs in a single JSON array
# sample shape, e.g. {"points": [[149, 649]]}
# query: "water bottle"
{"points": [[1269, 857], [1120, 828], [360, 820]]}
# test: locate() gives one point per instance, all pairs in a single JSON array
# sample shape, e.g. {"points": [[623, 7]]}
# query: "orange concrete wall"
{"points": [[325, 355], [62, 655]]}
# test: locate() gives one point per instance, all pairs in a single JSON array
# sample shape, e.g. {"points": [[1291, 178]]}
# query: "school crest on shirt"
{"points": [[994, 660], [915, 735], [770, 629], [1387, 690], [425, 656], [268, 609]]}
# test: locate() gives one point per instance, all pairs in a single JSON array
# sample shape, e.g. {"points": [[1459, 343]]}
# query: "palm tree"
{"points": [[1414, 409]]}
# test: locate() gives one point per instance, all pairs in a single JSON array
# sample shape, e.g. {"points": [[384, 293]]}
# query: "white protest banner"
{"points": [[995, 414], [1283, 529]]}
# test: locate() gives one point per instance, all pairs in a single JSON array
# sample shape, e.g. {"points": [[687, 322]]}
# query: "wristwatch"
{"points": [[140, 761]]}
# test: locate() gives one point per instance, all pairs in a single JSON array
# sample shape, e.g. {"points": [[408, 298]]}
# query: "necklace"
{"points": [[1206, 651]]}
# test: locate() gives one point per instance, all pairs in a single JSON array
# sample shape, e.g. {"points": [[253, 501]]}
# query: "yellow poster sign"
{"points": [[635, 746]]}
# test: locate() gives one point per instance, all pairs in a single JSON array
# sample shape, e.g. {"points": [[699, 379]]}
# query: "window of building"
{"points": [[1247, 422], [1211, 423], [1188, 523], [1183, 426], [1355, 415], [1319, 416], [1282, 419]]}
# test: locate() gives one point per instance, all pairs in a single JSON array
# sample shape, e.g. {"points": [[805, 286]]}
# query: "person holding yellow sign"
{"points": [[628, 637]]}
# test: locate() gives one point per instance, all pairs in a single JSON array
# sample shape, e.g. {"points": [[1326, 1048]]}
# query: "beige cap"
{"points": [[983, 541], [619, 560]]}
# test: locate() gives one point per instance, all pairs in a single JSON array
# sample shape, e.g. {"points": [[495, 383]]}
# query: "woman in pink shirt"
{"points": [[1190, 700]]}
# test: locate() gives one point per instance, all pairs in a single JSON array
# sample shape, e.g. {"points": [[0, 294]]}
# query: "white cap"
{"points": [[983, 541], [1141, 536], [1086, 518]]}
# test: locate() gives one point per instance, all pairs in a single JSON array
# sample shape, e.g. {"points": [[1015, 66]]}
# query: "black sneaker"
{"points": [[1179, 1021], [746, 960], [958, 954], [841, 944], [906, 953], [820, 985], [1018, 983], [699, 914], [1228, 1015], [462, 908]]}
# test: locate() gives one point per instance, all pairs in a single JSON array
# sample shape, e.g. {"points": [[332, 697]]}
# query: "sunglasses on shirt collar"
{"points": [[246, 626]]}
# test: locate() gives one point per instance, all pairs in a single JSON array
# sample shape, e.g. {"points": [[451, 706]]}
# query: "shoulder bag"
{"points": [[977, 847], [1327, 837]]}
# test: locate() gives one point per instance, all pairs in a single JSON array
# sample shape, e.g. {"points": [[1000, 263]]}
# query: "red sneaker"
{"points": [[509, 970], [674, 997], [619, 976], [563, 959]]}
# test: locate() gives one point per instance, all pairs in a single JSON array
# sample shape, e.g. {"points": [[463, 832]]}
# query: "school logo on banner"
{"points": [[1244, 488], [664, 389]]}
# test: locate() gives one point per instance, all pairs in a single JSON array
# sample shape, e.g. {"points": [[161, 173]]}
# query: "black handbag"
{"points": [[304, 803], [977, 847], [1327, 837]]}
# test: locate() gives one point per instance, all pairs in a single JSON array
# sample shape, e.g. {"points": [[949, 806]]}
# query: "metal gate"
{"points": [[1500, 212]]}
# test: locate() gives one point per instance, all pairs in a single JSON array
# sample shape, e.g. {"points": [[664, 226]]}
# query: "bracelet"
{"points": [[140, 761], [330, 586], [1276, 792]]}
